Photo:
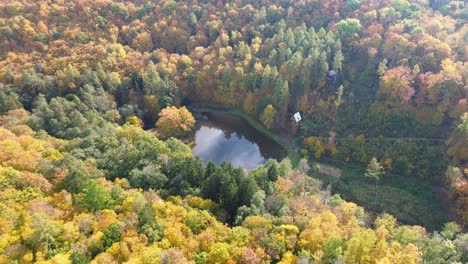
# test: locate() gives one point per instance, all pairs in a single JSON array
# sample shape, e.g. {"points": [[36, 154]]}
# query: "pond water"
{"points": [[225, 137]]}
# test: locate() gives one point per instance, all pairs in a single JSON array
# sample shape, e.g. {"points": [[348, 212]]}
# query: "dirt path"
{"points": [[329, 170]]}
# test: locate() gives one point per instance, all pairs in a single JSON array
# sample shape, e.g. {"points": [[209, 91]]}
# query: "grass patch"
{"points": [[408, 199]]}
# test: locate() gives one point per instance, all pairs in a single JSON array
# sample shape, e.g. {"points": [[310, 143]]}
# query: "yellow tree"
{"points": [[359, 248], [249, 103], [219, 253], [268, 116], [175, 122], [134, 121], [143, 42]]}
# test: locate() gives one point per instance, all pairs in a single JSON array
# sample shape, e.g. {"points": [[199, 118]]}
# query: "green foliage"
{"points": [[95, 197], [353, 4], [111, 235], [374, 169], [349, 27], [333, 248], [8, 101], [450, 230], [78, 258], [268, 116], [45, 232]]}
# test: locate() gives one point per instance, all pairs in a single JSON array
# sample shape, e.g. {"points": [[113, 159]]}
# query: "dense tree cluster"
{"points": [[398, 66], [68, 201], [82, 181]]}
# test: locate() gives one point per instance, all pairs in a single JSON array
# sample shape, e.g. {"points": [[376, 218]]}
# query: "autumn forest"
{"points": [[101, 101]]}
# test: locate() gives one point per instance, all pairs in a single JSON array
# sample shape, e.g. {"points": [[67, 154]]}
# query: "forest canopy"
{"points": [[96, 164]]}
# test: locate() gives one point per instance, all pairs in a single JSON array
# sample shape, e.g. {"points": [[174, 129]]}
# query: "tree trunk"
{"points": [[376, 191], [34, 255]]}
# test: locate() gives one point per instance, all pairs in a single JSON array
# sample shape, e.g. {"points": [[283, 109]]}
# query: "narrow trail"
{"points": [[394, 138]]}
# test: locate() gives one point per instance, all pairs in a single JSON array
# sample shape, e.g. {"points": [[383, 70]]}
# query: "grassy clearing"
{"points": [[410, 200], [329, 170]]}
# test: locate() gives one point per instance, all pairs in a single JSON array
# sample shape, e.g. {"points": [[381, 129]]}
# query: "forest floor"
{"points": [[408, 199]]}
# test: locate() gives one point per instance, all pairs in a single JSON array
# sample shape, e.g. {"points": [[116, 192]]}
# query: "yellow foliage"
{"points": [[174, 236], [219, 253], [288, 258], [267, 117], [134, 121], [175, 122], [360, 248], [249, 103], [200, 203], [104, 258], [70, 231], [134, 202], [254, 222], [151, 255], [321, 227], [6, 240], [57, 259], [104, 219], [169, 210], [288, 229], [24, 152]]}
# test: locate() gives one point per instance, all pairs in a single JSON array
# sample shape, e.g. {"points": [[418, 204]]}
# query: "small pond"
{"points": [[225, 137]]}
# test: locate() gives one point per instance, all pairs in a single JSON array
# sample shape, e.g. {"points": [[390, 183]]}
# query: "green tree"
{"points": [[382, 67], [79, 258], [268, 116], [281, 93], [111, 235], [374, 171], [151, 79], [247, 187], [349, 27], [221, 187], [450, 230], [96, 197], [43, 232], [8, 101], [333, 249], [338, 60], [273, 173], [339, 94]]}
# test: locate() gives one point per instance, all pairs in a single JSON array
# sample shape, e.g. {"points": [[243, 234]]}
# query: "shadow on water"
{"points": [[225, 137]]}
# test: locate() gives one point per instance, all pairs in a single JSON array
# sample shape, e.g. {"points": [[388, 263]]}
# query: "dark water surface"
{"points": [[225, 137]]}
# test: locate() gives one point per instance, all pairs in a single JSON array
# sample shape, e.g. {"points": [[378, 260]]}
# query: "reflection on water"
{"points": [[225, 137]]}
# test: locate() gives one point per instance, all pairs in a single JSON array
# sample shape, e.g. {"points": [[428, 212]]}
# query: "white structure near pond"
{"points": [[297, 117]]}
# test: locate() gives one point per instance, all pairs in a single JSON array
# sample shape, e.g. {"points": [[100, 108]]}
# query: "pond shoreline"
{"points": [[221, 136], [293, 155]]}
